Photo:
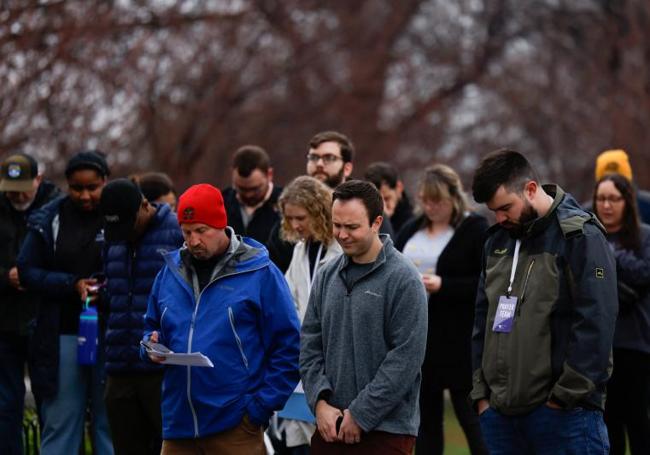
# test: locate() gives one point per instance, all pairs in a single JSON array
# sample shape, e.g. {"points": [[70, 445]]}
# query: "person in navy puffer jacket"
{"points": [[222, 296], [137, 234]]}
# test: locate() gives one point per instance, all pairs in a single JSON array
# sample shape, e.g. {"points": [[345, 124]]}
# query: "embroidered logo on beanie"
{"points": [[202, 203]]}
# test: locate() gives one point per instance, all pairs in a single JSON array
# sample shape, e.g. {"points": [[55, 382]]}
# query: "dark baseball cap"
{"points": [[17, 173], [119, 204]]}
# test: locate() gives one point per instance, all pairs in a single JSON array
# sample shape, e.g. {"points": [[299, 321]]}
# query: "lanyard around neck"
{"points": [[515, 260]]}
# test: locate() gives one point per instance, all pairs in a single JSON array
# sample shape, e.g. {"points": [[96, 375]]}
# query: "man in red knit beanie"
{"points": [[221, 295]]}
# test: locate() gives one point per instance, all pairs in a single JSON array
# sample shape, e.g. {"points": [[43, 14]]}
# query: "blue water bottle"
{"points": [[88, 335]]}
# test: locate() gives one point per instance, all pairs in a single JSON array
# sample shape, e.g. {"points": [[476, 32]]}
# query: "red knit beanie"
{"points": [[202, 203]]}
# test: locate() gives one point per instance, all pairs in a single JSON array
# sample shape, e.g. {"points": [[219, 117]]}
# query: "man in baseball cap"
{"points": [[22, 191], [221, 295]]}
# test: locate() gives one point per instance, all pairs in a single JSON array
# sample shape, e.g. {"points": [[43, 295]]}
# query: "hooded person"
{"points": [[221, 295], [137, 233]]}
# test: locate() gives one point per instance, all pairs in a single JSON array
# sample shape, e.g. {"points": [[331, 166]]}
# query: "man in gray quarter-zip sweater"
{"points": [[545, 314], [364, 336]]}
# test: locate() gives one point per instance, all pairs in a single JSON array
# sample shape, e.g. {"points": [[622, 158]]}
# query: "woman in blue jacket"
{"points": [[61, 253], [628, 391]]}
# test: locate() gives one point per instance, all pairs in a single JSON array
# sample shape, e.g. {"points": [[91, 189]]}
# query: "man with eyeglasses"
{"points": [[329, 160], [251, 202]]}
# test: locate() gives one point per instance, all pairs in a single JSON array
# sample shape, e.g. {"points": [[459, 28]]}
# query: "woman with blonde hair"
{"points": [[305, 206], [445, 242]]}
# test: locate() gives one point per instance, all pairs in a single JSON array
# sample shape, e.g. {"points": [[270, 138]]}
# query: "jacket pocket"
{"points": [[231, 318]]}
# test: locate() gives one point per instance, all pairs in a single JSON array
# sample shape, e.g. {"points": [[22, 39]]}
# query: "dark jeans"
{"points": [[133, 408], [628, 401], [13, 357], [431, 435], [373, 443], [545, 431]]}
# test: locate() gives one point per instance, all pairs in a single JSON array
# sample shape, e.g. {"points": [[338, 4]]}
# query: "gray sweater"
{"points": [[365, 344]]}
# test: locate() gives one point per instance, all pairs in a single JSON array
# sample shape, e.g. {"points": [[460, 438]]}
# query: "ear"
{"points": [[399, 187], [38, 179], [377, 224], [530, 190], [269, 174], [347, 169]]}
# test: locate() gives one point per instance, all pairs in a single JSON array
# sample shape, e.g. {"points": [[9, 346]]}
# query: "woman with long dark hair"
{"points": [[628, 391], [446, 243]]}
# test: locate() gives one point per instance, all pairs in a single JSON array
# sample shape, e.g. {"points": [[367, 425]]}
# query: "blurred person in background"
{"points": [[22, 191], [252, 200], [329, 159], [397, 205], [305, 205], [137, 234], [157, 187], [617, 162], [445, 242], [60, 256], [628, 391]]}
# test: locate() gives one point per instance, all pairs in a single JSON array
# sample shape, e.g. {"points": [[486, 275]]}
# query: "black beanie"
{"points": [[92, 159]]}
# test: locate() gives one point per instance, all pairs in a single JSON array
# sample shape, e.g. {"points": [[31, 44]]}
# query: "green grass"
{"points": [[455, 442]]}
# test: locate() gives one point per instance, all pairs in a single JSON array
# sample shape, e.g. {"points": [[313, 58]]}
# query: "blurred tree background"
{"points": [[178, 85]]}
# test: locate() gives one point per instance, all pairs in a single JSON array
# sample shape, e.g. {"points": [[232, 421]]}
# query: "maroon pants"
{"points": [[373, 443]]}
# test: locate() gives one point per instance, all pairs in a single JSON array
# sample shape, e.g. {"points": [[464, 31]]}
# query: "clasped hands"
{"points": [[326, 417]]}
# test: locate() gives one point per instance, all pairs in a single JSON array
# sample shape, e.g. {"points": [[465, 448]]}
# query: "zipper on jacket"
{"points": [[162, 316], [189, 342], [231, 317], [523, 291]]}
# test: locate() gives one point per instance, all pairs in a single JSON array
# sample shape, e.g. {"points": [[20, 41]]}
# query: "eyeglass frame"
{"points": [[328, 158], [611, 199]]}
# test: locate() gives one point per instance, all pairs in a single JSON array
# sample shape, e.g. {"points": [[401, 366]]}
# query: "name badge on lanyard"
{"points": [[505, 314]]}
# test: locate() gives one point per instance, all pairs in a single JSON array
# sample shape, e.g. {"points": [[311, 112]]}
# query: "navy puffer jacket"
{"points": [[131, 270]]}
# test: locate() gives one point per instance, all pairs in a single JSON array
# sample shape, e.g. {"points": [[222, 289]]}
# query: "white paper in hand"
{"points": [[194, 359]]}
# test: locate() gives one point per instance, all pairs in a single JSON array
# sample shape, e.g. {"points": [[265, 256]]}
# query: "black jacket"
{"points": [[18, 308], [402, 214], [451, 309], [36, 265], [263, 218]]}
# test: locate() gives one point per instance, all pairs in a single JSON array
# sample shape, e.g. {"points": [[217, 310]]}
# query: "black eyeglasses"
{"points": [[327, 158], [610, 199]]}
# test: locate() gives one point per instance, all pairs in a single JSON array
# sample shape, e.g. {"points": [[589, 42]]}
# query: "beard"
{"points": [[334, 180], [528, 216], [20, 207]]}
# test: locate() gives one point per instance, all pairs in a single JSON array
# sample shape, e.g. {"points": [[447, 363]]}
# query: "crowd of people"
{"points": [[330, 315]]}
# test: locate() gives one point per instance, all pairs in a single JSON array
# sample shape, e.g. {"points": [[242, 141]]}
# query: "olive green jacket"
{"points": [[559, 348]]}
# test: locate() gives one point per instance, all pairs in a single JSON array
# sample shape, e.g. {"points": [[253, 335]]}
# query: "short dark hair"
{"points": [[250, 157], [154, 185], [381, 172], [366, 192], [501, 167], [346, 145]]}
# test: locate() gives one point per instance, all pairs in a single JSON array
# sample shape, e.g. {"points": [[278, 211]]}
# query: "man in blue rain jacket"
{"points": [[221, 295]]}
